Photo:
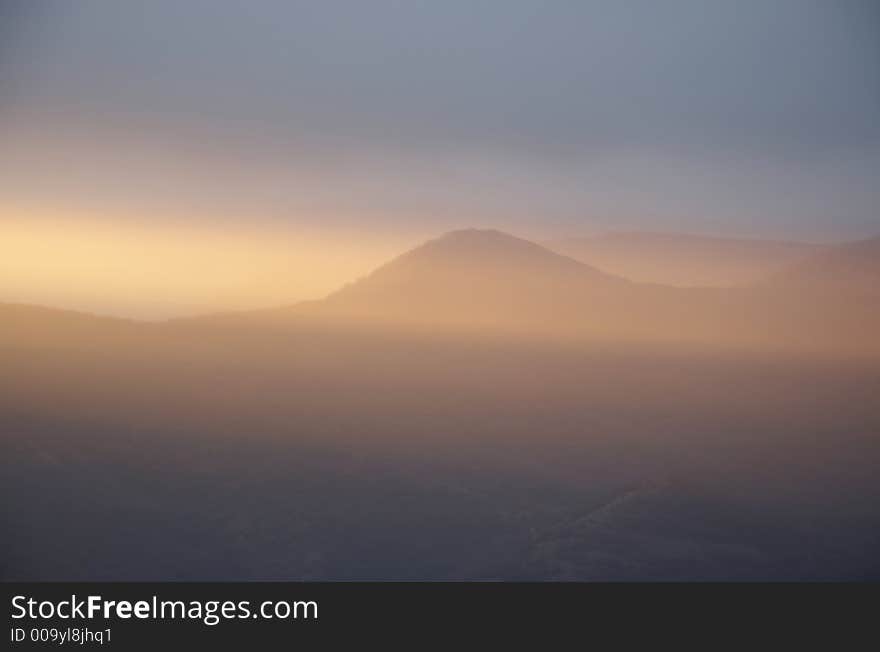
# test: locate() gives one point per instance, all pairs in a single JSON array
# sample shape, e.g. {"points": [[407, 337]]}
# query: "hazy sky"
{"points": [[405, 118]]}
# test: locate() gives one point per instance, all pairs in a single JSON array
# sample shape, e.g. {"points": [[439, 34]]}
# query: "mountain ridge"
{"points": [[684, 259], [851, 267], [483, 281]]}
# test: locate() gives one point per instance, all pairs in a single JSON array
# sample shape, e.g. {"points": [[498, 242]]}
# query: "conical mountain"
{"points": [[476, 277]]}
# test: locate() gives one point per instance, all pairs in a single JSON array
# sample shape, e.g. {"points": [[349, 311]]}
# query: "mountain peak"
{"points": [[478, 235], [482, 238], [489, 249], [473, 276], [475, 232]]}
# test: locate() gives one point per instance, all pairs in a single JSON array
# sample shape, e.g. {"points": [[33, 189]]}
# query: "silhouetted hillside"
{"points": [[194, 453]]}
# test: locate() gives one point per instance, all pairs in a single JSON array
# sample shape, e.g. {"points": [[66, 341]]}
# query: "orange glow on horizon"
{"points": [[159, 269]]}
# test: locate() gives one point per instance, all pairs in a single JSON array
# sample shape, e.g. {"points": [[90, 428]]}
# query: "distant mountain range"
{"points": [[683, 259], [853, 267], [490, 282]]}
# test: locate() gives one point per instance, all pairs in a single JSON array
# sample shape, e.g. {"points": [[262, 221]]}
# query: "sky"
{"points": [[340, 131]]}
